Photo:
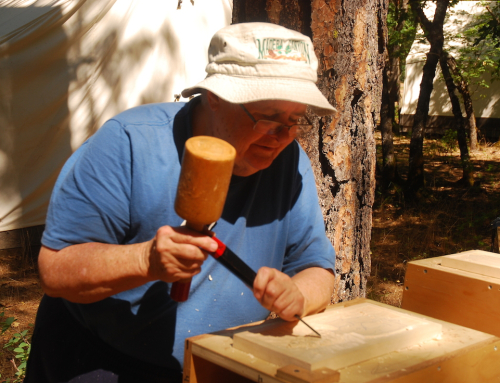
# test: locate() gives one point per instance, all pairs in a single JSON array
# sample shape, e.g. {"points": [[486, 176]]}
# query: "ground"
{"points": [[20, 294], [447, 219]]}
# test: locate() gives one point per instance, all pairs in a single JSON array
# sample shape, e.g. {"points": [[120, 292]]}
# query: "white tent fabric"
{"points": [[67, 66]]}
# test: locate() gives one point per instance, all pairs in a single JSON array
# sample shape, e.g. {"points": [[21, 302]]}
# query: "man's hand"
{"points": [[277, 292], [177, 253]]}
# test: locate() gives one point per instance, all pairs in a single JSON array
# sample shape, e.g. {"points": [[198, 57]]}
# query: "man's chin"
{"points": [[249, 169]]}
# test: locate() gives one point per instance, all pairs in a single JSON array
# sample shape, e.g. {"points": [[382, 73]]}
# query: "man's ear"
{"points": [[214, 101]]}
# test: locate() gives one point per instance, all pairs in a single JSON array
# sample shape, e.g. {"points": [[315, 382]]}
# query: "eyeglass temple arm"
{"points": [[248, 113]]}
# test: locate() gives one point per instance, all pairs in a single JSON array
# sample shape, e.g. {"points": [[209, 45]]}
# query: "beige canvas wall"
{"points": [[67, 66]]}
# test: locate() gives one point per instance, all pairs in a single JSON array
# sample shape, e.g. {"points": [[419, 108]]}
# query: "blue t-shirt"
{"points": [[119, 187]]}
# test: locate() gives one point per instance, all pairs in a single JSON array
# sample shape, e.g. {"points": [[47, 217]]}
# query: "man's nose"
{"points": [[280, 135], [283, 134]]}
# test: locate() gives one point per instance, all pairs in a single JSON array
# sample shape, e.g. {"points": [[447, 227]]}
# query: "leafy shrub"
{"points": [[18, 348]]}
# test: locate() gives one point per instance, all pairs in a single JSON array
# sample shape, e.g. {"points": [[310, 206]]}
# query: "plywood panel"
{"points": [[474, 261], [459, 355], [349, 336], [457, 296], [295, 374]]}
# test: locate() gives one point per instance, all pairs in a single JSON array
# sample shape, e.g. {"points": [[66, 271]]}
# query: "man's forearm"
{"points": [[316, 284], [90, 272]]}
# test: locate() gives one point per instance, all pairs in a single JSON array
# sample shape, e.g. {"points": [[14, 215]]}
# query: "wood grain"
{"points": [[474, 261], [457, 296], [348, 336], [459, 355], [207, 166], [296, 374]]}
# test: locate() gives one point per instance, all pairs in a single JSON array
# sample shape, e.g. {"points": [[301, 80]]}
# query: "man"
{"points": [[113, 243]]}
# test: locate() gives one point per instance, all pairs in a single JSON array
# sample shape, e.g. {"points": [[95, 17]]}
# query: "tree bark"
{"points": [[463, 88], [467, 168], [249, 11], [349, 40], [394, 82], [434, 34]]}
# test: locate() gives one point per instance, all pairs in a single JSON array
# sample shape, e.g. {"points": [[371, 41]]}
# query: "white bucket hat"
{"points": [[261, 61]]}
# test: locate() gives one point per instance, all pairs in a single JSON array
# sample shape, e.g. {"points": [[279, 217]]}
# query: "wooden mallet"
{"points": [[207, 166]]}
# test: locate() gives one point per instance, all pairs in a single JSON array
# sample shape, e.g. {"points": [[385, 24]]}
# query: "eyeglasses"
{"points": [[274, 127]]}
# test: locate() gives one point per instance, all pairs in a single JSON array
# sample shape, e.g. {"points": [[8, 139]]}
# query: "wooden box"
{"points": [[461, 288], [362, 341]]}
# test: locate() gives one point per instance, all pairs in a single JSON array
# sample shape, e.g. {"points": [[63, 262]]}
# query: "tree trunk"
{"points": [[387, 117], [349, 39], [434, 34], [400, 52], [463, 88], [468, 176], [394, 82], [471, 117]]}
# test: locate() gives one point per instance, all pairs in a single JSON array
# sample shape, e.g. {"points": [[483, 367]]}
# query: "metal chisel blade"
{"points": [[302, 320], [239, 268]]}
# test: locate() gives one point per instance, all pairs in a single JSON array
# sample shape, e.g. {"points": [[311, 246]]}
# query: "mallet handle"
{"points": [[180, 289]]}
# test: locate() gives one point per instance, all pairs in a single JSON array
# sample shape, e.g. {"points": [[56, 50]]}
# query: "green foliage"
{"points": [[5, 324], [476, 46], [402, 29], [18, 347], [488, 27], [444, 146], [449, 140]]}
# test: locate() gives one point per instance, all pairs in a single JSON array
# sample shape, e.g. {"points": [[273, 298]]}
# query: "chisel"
{"points": [[238, 267]]}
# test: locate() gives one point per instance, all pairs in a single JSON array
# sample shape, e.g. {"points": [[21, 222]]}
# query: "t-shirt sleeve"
{"points": [[308, 245], [90, 201]]}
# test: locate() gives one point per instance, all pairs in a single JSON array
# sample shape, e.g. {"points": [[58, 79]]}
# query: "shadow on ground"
{"points": [[447, 219]]}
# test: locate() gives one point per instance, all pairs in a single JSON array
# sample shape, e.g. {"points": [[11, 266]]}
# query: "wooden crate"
{"points": [[446, 352], [461, 288]]}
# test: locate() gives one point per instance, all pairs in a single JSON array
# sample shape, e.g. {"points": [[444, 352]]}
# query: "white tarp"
{"points": [[67, 66]]}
